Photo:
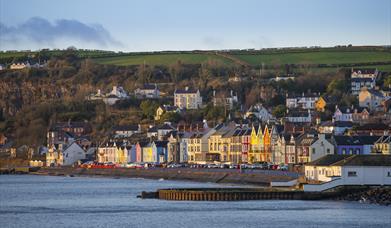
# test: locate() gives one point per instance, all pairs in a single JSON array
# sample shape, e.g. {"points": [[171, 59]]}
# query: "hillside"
{"points": [[273, 59], [164, 59]]}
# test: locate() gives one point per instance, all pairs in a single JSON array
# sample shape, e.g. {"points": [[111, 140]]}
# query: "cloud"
{"points": [[40, 33]]}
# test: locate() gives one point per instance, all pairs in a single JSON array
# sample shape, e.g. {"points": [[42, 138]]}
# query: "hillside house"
{"points": [[187, 98]]}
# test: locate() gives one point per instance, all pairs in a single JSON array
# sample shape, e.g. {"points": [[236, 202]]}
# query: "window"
{"points": [[350, 151], [344, 151], [328, 151], [313, 151], [352, 174], [389, 174]]}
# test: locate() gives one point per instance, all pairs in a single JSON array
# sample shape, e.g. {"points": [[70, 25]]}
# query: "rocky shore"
{"points": [[379, 195]]}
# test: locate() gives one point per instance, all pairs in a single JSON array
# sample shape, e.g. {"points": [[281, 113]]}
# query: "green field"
{"points": [[163, 59], [318, 57]]}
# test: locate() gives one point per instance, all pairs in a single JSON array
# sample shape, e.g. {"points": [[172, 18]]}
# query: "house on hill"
{"points": [[187, 98], [148, 91], [126, 131], [305, 101], [165, 109]]}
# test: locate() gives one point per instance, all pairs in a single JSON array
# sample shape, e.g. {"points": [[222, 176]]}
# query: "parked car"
{"points": [[283, 167], [224, 166], [213, 166]]}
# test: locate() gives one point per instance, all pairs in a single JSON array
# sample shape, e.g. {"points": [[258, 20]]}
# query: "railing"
{"points": [[324, 186]]}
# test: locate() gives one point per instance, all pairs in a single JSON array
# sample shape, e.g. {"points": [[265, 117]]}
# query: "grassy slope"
{"points": [[163, 59], [321, 57]]}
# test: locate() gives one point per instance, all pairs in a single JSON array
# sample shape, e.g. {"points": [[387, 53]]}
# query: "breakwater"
{"points": [[234, 194], [199, 175]]}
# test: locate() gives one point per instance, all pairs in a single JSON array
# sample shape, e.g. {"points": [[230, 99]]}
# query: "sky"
{"points": [[155, 25]]}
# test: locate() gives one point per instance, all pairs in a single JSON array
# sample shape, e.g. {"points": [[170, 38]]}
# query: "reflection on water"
{"points": [[44, 201]]}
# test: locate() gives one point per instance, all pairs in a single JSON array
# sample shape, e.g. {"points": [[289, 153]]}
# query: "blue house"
{"points": [[348, 145], [159, 151]]}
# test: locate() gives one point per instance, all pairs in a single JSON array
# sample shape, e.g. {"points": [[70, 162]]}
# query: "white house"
{"points": [[148, 91], [116, 94], [364, 73], [320, 147], [357, 84], [260, 112], [119, 92], [342, 170], [187, 98], [73, 153], [126, 131], [224, 100], [363, 78], [19, 66], [296, 116], [343, 114], [303, 102]]}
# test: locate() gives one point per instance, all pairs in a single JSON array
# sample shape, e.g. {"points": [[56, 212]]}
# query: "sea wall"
{"points": [[200, 175]]}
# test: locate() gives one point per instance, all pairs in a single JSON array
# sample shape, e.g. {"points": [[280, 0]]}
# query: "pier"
{"points": [[234, 194]]}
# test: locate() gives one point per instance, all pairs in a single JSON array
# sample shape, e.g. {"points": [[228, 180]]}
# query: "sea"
{"points": [[60, 201]]}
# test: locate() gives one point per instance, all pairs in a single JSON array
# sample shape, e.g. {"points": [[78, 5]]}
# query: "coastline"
{"points": [[196, 175]]}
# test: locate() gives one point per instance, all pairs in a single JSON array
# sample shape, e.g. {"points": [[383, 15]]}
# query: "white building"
{"points": [[363, 78], [116, 94], [19, 66], [342, 170], [260, 112], [320, 147], [126, 131], [296, 116], [148, 91], [343, 114], [187, 99], [73, 153], [222, 100], [303, 102]]}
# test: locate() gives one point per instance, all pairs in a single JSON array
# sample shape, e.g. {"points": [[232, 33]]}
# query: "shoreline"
{"points": [[211, 176]]}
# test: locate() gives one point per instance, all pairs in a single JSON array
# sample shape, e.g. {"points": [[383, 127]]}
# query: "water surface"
{"points": [[47, 201]]}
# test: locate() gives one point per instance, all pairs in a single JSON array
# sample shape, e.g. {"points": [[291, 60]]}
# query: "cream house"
{"points": [[383, 145], [371, 98], [187, 98]]}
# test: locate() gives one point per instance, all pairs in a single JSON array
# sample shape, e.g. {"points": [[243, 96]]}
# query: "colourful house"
{"points": [[320, 105], [266, 152], [159, 151], [148, 153], [349, 145]]}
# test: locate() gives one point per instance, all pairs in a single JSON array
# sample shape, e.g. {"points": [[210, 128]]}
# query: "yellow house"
{"points": [[122, 156], [159, 113], [320, 104], [147, 153], [255, 144], [214, 143], [194, 148]]}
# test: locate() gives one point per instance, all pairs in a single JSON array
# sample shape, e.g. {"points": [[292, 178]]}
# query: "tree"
{"points": [[279, 111], [148, 108], [387, 82], [336, 85]]}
